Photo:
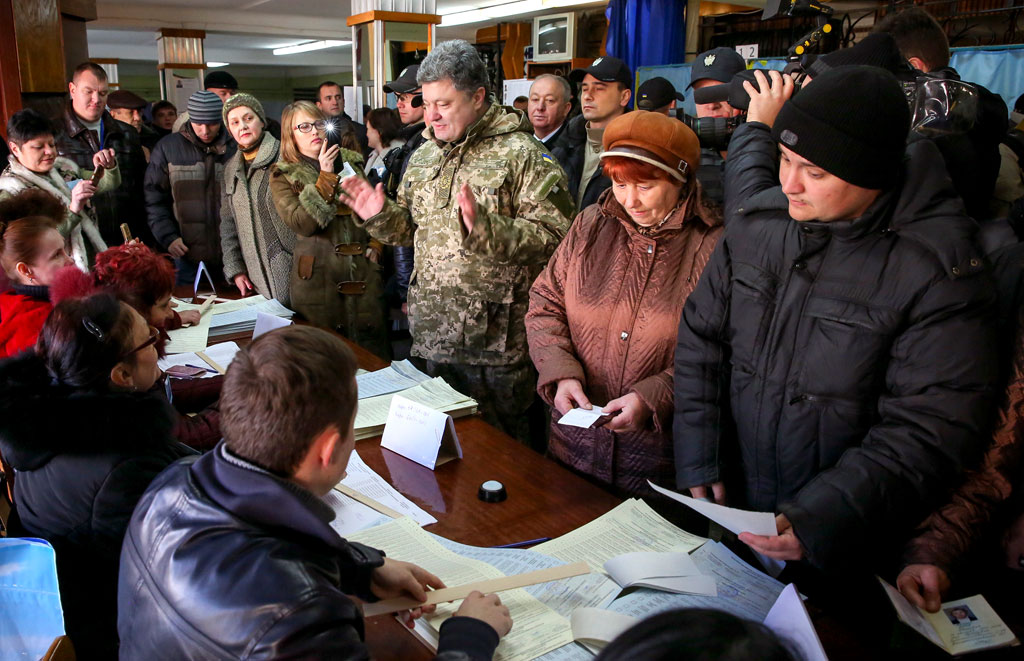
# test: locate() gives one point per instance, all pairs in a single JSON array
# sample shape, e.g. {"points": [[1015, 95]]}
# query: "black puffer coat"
{"points": [[124, 204], [840, 373], [82, 461], [226, 561]]}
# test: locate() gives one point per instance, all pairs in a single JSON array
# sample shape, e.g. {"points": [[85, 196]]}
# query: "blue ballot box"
{"points": [[30, 613]]}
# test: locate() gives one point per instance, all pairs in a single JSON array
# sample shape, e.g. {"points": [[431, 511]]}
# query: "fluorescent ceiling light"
{"points": [[460, 16], [308, 46], [214, 65]]}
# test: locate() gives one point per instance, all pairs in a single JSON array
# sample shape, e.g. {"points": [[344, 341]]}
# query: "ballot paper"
{"points": [[399, 375], [595, 628], [238, 315], [631, 526], [672, 572], [189, 338], [790, 620], [365, 480], [268, 322], [581, 417], [222, 354], [538, 629], [351, 516], [435, 393], [960, 626], [734, 520]]}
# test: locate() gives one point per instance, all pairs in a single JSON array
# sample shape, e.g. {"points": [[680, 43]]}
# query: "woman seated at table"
{"points": [[335, 281], [34, 163], [256, 243], [31, 253], [605, 311], [144, 279], [85, 435]]}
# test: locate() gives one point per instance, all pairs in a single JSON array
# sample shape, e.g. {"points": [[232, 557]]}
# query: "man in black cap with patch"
{"points": [[711, 68], [835, 364], [658, 95], [605, 90]]}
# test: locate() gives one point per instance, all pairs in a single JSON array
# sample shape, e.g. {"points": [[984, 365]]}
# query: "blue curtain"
{"points": [[647, 32]]}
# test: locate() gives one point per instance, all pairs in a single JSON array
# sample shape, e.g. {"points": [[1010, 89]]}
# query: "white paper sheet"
{"points": [[789, 619], [673, 572], [268, 322], [595, 628], [222, 354], [398, 376], [363, 479], [350, 515], [189, 338], [581, 417]]}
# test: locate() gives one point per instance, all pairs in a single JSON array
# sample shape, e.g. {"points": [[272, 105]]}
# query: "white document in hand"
{"points": [[735, 521], [672, 572], [581, 417], [789, 619]]}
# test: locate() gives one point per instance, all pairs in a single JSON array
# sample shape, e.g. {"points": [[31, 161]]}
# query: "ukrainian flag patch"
{"points": [[547, 157]]}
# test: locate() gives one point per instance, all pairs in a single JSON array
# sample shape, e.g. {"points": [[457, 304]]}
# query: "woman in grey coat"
{"points": [[257, 245]]}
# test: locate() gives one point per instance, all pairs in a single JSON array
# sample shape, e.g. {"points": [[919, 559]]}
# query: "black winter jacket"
{"points": [[840, 373], [569, 151], [183, 184], [223, 560], [82, 460], [124, 204], [397, 163]]}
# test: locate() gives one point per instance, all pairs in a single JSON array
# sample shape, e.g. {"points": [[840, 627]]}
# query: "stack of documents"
{"points": [[222, 354], [435, 393], [400, 375], [227, 318]]}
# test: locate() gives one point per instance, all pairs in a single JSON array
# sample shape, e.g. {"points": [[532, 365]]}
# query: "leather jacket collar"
{"points": [[74, 127]]}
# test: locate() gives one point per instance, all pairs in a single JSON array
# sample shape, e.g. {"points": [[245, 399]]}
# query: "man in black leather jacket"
{"points": [[85, 128], [233, 556]]}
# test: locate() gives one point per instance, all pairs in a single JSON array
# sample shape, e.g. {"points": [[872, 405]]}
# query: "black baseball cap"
{"points": [[719, 64], [406, 81], [605, 69], [656, 93]]}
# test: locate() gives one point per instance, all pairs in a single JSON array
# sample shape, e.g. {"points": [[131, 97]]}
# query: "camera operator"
{"points": [[714, 67]]}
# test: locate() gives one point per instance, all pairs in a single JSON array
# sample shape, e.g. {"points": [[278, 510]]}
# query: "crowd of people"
{"points": [[821, 321]]}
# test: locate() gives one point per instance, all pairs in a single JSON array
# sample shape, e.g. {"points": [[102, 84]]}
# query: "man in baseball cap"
{"points": [[658, 95], [605, 91]]}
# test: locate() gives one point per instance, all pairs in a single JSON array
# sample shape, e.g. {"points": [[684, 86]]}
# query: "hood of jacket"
{"points": [[40, 419], [924, 208], [496, 120]]}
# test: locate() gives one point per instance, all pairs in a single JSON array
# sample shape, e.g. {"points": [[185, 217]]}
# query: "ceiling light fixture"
{"points": [[214, 65], [462, 16], [310, 45]]}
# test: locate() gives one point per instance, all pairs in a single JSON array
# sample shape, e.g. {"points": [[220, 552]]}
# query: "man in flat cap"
{"points": [[605, 90], [127, 107]]}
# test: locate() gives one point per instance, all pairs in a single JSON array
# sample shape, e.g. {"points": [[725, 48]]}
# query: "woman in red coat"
{"points": [[31, 253]]}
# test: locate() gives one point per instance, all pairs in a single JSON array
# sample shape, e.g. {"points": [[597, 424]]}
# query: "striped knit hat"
{"points": [[204, 108], [244, 100]]}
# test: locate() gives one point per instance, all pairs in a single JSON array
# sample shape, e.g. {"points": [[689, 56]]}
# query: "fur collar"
{"points": [[305, 173], [39, 419]]}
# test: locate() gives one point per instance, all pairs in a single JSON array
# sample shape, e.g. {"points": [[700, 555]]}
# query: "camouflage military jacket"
{"points": [[469, 294]]}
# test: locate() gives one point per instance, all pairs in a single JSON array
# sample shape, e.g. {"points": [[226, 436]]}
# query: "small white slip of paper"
{"points": [[582, 417]]}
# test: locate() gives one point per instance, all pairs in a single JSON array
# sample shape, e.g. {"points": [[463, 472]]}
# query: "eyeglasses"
{"points": [[306, 127], [154, 337]]}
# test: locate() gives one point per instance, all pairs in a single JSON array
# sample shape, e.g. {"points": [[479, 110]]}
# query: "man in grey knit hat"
{"points": [[183, 187]]}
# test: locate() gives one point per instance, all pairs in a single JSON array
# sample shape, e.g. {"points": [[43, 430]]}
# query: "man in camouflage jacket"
{"points": [[485, 207]]}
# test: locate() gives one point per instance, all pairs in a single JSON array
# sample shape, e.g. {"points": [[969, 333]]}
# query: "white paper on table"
{"points": [[673, 572], [581, 417], [595, 627], [734, 520], [222, 354], [790, 620], [420, 433], [363, 479], [398, 376], [268, 322], [189, 338], [350, 515]]}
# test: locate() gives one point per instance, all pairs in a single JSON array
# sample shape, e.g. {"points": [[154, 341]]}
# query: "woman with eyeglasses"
{"points": [[334, 282], [85, 436]]}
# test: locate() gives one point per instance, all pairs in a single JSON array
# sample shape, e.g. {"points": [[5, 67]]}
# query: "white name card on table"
{"points": [[268, 322], [420, 433]]}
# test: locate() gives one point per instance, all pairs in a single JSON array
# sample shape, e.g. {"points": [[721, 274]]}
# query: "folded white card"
{"points": [[268, 322], [672, 572], [420, 433]]}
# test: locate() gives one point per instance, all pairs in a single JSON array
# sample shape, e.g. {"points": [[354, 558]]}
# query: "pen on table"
{"points": [[200, 367], [529, 542]]}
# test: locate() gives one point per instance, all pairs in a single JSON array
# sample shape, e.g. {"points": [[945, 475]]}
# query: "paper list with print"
{"points": [[537, 629], [631, 526], [365, 480], [222, 353], [399, 375], [351, 516], [435, 393], [189, 339]]}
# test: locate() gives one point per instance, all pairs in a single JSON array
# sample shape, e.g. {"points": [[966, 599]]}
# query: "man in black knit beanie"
{"points": [[834, 364]]}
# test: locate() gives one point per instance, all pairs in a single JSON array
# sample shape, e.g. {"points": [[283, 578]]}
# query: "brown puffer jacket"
{"points": [[606, 311]]}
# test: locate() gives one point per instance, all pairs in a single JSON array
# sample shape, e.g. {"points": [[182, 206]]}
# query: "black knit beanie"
{"points": [[852, 122], [878, 49]]}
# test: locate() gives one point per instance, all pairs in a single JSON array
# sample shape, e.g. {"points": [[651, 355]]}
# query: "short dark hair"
{"points": [[917, 34], [92, 68], [84, 338], [161, 105], [521, 99], [385, 121], [326, 83], [282, 391], [25, 218], [28, 124], [697, 634]]}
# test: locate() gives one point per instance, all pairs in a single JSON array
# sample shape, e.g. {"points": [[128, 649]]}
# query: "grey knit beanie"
{"points": [[247, 100], [204, 108]]}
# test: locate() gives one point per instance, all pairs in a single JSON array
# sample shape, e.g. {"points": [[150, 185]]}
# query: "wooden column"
{"points": [[10, 74]]}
